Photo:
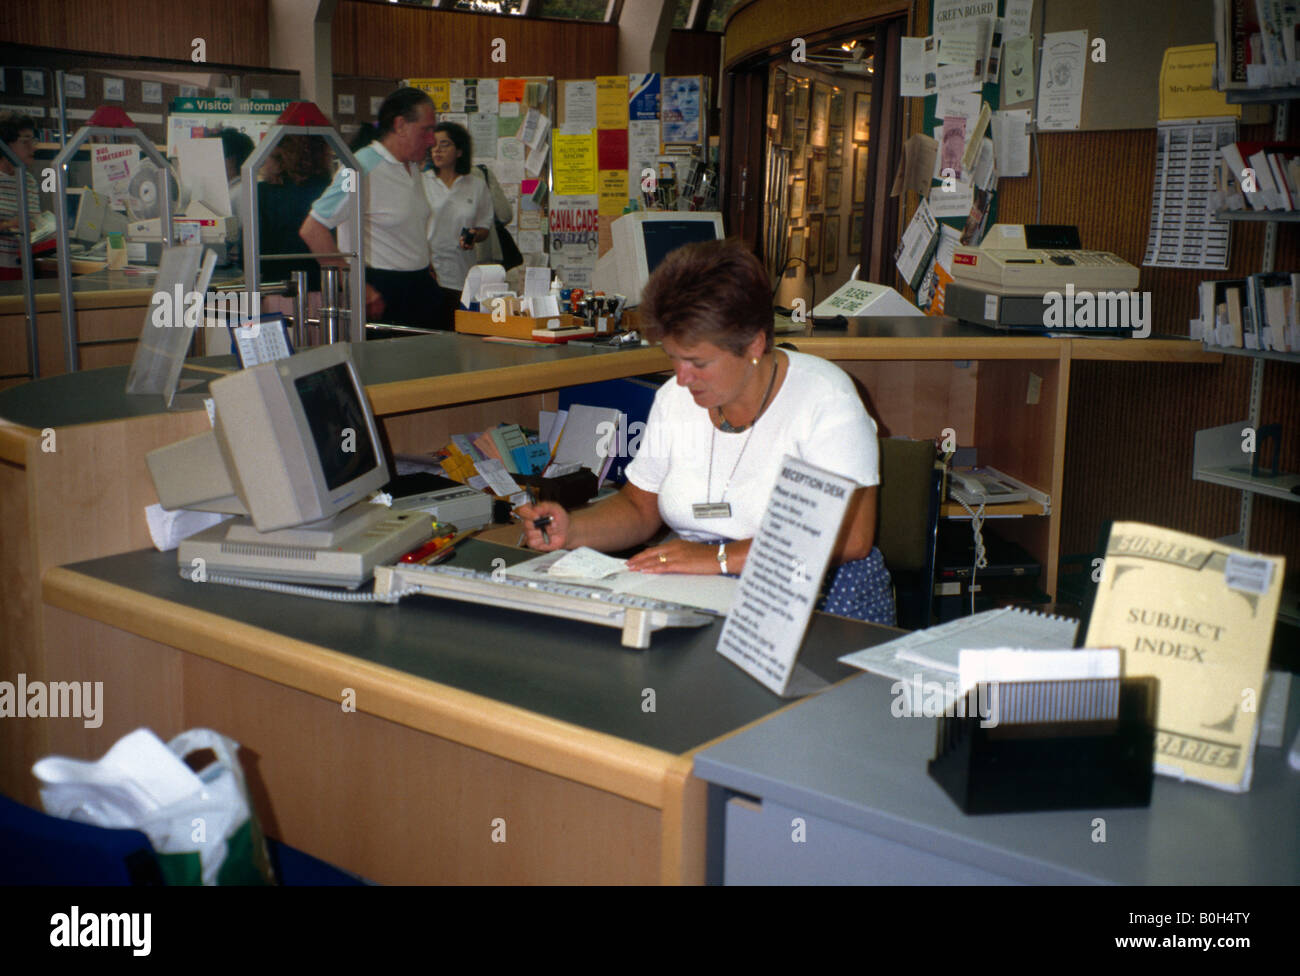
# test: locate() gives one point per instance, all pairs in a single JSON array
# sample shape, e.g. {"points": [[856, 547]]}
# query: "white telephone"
{"points": [[978, 486]]}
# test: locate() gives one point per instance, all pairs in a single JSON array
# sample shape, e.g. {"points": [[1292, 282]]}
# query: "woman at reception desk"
{"points": [[718, 431]]}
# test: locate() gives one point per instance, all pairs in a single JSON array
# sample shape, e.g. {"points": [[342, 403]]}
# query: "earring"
{"points": [[754, 361]]}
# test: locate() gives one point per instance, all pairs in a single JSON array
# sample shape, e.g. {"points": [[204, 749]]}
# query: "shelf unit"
{"points": [[1214, 447]]}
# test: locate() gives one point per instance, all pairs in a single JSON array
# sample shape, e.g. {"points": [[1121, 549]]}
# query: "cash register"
{"points": [[1031, 277]]}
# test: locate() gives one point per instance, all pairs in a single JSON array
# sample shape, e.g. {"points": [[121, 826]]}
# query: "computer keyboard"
{"points": [[636, 616]]}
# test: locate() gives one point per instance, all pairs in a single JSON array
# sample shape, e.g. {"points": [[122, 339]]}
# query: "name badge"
{"points": [[710, 510]]}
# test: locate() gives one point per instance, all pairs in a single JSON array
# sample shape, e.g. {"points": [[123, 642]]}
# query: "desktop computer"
{"points": [[642, 239], [294, 452]]}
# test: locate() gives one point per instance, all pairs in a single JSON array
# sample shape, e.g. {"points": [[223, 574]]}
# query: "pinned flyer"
{"points": [[782, 578]]}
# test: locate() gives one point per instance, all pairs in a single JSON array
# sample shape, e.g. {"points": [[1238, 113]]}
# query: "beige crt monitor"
{"points": [[295, 447], [642, 239]]}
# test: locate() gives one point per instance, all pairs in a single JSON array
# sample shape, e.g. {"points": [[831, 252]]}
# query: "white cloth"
{"points": [[466, 203], [397, 213], [816, 416]]}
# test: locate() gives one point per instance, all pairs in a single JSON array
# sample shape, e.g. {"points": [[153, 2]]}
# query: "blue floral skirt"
{"points": [[861, 590]]}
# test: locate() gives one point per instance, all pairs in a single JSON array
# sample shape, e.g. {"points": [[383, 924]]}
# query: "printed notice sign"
{"points": [[783, 572]]}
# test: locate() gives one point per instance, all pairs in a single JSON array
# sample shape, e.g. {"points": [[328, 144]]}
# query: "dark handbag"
{"points": [[510, 256]]}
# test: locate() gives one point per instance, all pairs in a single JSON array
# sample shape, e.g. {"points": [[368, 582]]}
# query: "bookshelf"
{"points": [[1217, 452]]}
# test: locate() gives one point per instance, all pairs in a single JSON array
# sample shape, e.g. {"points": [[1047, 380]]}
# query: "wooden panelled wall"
{"points": [[1129, 443], [384, 40], [234, 31]]}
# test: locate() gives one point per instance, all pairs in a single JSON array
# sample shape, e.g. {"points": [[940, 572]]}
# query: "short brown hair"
{"points": [[715, 292]]}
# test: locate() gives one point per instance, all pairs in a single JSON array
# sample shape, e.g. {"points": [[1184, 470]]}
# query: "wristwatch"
{"points": [[722, 558]]}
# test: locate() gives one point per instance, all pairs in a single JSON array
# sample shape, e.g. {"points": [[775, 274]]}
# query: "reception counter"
{"points": [[73, 482]]}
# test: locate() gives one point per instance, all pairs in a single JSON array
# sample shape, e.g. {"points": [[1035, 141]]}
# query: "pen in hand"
{"points": [[542, 523]]}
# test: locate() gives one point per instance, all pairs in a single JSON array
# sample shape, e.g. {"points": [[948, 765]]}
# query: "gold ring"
{"points": [[663, 558]]}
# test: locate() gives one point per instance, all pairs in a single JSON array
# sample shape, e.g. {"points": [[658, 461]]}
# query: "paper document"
{"points": [[1060, 79], [934, 653], [712, 593]]}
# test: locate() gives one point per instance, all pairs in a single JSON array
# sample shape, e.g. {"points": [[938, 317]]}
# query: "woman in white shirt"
{"points": [[718, 431], [460, 202]]}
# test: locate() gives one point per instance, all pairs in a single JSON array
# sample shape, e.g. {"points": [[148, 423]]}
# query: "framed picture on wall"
{"points": [[812, 251], [837, 107], [831, 245], [835, 148], [832, 190], [859, 175], [794, 248], [816, 176], [821, 106], [797, 188], [855, 234], [861, 116], [787, 116], [777, 122], [802, 96]]}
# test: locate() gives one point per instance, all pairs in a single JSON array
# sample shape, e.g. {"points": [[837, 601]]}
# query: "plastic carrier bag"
{"points": [[201, 824]]}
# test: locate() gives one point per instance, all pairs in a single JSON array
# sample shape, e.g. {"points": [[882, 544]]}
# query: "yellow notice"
{"points": [[573, 163], [611, 102], [612, 192], [1187, 85], [1198, 615]]}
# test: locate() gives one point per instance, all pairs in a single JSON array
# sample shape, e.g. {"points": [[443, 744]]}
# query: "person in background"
{"points": [[236, 147], [459, 200], [293, 177], [717, 433], [400, 286], [19, 134]]}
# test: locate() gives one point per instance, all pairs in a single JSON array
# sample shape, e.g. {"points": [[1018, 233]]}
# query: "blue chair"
{"points": [[37, 849]]}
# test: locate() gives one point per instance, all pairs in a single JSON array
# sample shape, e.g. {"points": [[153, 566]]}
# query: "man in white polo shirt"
{"points": [[400, 286]]}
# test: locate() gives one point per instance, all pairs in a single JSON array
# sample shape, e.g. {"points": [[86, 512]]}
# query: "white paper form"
{"points": [[510, 160], [483, 135], [954, 19], [712, 593], [531, 129], [580, 106], [1184, 232], [496, 477], [1060, 79], [1018, 69], [917, 67], [642, 152], [1017, 14], [952, 203], [1011, 141], [780, 583], [487, 95], [933, 654], [958, 103]]}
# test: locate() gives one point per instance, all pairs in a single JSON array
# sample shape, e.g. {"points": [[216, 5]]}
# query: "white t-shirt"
{"points": [[397, 213], [816, 416], [466, 203]]}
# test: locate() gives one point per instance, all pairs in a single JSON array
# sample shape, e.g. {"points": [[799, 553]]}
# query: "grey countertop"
{"points": [[843, 756]]}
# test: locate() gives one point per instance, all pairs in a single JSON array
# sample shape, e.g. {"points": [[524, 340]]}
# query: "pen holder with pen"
{"points": [[1049, 745]]}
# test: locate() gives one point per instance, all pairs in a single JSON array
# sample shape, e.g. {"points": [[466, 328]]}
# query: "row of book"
{"points": [[1259, 176], [1257, 43], [1261, 312]]}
